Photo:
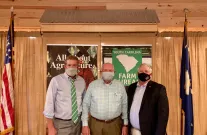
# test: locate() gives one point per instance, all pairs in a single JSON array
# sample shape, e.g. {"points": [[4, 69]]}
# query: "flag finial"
{"points": [[186, 11], [12, 9]]}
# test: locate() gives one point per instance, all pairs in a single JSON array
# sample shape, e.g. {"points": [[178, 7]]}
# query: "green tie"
{"points": [[74, 103]]}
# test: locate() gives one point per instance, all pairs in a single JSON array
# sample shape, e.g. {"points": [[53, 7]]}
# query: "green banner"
{"points": [[126, 63]]}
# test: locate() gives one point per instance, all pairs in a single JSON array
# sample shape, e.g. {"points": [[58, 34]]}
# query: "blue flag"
{"points": [[186, 86]]}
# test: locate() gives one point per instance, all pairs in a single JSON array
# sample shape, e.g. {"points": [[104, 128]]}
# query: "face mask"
{"points": [[143, 77], [107, 76], [71, 71]]}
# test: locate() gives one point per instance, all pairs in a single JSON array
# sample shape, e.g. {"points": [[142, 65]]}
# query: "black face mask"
{"points": [[143, 77]]}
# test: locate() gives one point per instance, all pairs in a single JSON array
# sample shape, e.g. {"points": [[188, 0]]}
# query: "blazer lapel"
{"points": [[146, 94]]}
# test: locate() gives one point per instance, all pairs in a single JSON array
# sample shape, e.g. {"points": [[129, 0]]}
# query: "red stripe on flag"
{"points": [[3, 116], [9, 102]]}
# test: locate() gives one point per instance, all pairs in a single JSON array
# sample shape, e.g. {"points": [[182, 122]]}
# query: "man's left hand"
{"points": [[124, 130]]}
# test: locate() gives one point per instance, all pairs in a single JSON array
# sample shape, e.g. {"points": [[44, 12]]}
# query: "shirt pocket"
{"points": [[65, 97], [95, 97], [117, 96], [63, 94]]}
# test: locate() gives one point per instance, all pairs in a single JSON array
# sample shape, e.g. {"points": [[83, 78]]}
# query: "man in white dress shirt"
{"points": [[63, 105]]}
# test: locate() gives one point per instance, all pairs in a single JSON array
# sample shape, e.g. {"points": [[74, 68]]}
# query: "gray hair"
{"points": [[145, 64]]}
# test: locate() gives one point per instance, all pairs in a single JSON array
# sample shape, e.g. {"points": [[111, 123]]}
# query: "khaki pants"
{"points": [[67, 127], [102, 128], [135, 131]]}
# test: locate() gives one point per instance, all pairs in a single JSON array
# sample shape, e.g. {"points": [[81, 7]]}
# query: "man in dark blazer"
{"points": [[148, 107]]}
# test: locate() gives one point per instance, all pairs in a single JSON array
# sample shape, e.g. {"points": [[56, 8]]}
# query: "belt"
{"points": [[63, 119], [66, 119], [105, 121]]}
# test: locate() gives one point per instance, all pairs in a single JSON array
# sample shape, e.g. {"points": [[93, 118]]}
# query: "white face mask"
{"points": [[71, 71], [108, 76]]}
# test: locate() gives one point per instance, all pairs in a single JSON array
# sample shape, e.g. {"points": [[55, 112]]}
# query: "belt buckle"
{"points": [[106, 121]]}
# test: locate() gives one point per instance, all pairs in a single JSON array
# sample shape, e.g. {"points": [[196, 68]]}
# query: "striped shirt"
{"points": [[105, 101]]}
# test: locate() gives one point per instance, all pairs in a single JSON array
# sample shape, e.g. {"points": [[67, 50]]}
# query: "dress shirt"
{"points": [[136, 104], [58, 98], [105, 102]]}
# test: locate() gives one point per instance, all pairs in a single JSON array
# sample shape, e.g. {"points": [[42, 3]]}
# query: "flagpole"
{"points": [[11, 27], [182, 112], [182, 120], [11, 24], [12, 62]]}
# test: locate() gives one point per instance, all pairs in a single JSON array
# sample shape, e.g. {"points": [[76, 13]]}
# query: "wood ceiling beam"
{"points": [[180, 13], [28, 29], [54, 7], [108, 1], [124, 4], [179, 22], [22, 13], [180, 29], [157, 6]]}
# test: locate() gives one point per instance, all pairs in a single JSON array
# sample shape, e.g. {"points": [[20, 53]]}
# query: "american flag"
{"points": [[7, 91]]}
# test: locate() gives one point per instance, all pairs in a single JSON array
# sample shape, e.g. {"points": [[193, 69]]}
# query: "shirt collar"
{"points": [[142, 85], [105, 83], [67, 76]]}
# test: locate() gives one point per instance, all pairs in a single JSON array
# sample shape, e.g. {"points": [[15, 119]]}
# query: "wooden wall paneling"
{"points": [[170, 12]]}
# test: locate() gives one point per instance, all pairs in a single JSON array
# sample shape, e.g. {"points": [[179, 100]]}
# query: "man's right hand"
{"points": [[51, 128], [85, 130], [52, 131]]}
